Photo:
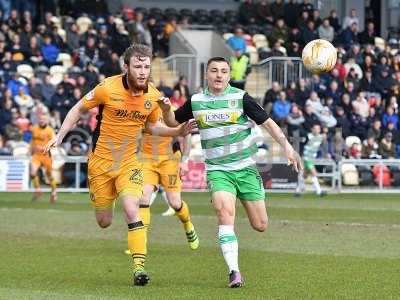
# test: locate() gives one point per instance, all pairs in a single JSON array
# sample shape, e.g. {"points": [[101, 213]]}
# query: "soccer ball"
{"points": [[319, 56]]}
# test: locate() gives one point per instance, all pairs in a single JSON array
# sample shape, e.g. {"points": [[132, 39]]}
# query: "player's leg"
{"points": [[252, 195], [315, 181], [47, 163], [223, 191], [129, 186], [300, 188], [34, 170], [170, 211], [171, 182]]}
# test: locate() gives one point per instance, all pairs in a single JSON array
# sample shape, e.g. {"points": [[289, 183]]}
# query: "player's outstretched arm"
{"points": [[275, 131], [160, 129], [168, 114], [70, 121]]}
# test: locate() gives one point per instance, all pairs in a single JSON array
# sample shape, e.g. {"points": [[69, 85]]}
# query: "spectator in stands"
{"points": [[315, 102], [326, 118], [303, 20], [240, 68], [247, 12], [156, 34], [345, 102], [5, 8], [49, 50], [368, 35], [271, 95], [351, 19], [291, 13], [264, 13], [309, 118], [350, 90], [350, 35], [5, 113], [164, 89], [237, 41], [361, 106], [367, 84], [279, 33], [182, 87], [390, 117], [316, 17], [375, 130], [333, 92], [354, 152], [359, 126], [384, 82], [302, 92], [370, 148], [309, 33], [306, 6], [281, 108], [111, 66], [334, 20], [326, 31], [295, 121], [4, 150], [387, 148], [12, 131], [23, 100], [278, 9], [16, 83], [342, 121], [73, 38]]}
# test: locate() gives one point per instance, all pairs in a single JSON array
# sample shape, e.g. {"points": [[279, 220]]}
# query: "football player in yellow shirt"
{"points": [[127, 106], [42, 133]]}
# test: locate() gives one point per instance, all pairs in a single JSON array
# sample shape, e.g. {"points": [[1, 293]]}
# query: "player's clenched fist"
{"points": [[164, 103]]}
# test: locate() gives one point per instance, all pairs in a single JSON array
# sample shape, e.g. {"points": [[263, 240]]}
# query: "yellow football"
{"points": [[319, 56]]}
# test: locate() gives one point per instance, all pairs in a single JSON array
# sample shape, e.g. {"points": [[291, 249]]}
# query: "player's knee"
{"points": [[225, 215], [260, 225], [104, 223], [174, 201]]}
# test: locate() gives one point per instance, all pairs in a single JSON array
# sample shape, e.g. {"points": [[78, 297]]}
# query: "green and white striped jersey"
{"points": [[312, 146], [225, 126]]}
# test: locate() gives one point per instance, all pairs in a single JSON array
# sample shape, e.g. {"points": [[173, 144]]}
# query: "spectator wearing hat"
{"points": [[384, 82]]}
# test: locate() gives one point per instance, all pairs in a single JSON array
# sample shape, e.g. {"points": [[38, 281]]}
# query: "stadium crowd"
{"points": [[359, 97], [49, 59]]}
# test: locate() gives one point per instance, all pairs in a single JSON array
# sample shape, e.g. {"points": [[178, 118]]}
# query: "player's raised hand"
{"points": [[54, 142], [188, 127], [294, 159], [164, 103]]}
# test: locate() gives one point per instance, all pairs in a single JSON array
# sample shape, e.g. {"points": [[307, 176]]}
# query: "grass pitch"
{"points": [[343, 246]]}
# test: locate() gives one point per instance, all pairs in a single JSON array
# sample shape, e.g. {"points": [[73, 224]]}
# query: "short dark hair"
{"points": [[217, 59], [140, 50]]}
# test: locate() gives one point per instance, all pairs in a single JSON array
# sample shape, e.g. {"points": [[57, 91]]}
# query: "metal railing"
{"points": [[184, 64], [280, 69]]}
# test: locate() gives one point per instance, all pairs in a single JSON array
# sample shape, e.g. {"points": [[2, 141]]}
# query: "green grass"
{"points": [[340, 247]]}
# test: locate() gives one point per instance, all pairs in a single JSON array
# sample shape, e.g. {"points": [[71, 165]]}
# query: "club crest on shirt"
{"points": [[90, 95], [233, 103], [147, 104]]}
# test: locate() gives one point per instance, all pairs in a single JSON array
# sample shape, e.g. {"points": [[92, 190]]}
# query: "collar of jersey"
{"points": [[225, 92]]}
